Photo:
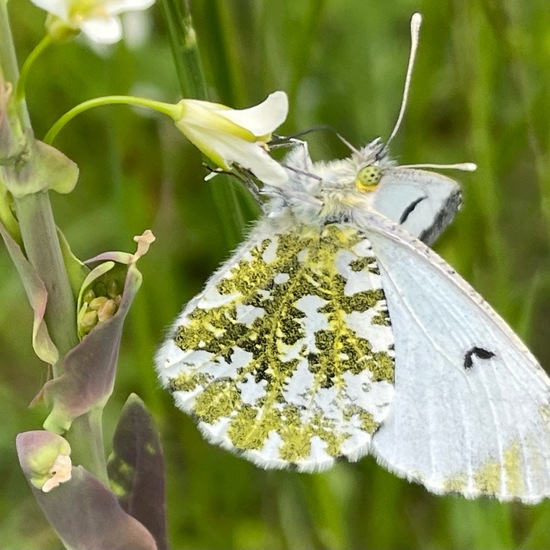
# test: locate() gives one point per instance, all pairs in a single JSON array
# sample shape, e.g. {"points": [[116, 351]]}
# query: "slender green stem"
{"points": [[9, 74], [25, 69], [165, 108], [185, 48], [187, 60], [88, 448], [34, 212], [42, 247], [8, 62]]}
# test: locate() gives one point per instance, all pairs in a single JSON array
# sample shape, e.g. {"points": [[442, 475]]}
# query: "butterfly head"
{"points": [[370, 162], [368, 178], [330, 191], [354, 180]]}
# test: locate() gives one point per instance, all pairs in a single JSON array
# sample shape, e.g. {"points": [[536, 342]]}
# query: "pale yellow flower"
{"points": [[230, 136]]}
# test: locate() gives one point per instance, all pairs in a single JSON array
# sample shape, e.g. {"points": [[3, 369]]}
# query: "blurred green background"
{"points": [[481, 93]]}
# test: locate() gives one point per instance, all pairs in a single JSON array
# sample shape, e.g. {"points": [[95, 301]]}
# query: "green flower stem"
{"points": [[43, 250], [165, 108], [25, 69], [187, 60], [185, 48], [86, 439], [9, 75], [8, 65]]}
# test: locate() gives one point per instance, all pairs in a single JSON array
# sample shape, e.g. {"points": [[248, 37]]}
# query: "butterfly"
{"points": [[334, 331]]}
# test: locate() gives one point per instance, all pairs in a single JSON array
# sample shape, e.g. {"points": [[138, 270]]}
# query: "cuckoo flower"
{"points": [[97, 19], [230, 136], [226, 136]]}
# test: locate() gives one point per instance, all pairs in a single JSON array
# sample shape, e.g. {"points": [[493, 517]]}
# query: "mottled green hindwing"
{"points": [[287, 356]]}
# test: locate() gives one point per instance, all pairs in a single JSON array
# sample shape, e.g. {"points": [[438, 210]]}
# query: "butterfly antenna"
{"points": [[416, 21], [464, 166], [348, 144], [289, 141]]}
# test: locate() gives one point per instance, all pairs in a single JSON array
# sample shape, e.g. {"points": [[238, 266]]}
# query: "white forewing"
{"points": [[423, 202], [471, 408]]}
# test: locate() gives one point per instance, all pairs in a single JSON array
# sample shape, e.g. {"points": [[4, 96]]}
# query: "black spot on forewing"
{"points": [[480, 353], [409, 209]]}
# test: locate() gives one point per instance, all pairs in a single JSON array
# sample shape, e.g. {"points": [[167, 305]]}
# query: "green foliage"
{"points": [[480, 93]]}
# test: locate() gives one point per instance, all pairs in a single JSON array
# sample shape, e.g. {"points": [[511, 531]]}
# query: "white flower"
{"points": [[97, 19], [229, 136]]}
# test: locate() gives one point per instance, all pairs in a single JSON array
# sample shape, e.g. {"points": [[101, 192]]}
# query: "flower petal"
{"points": [[56, 7], [60, 473], [204, 144], [229, 136], [249, 155], [261, 119], [258, 161], [103, 30], [98, 19], [208, 117], [114, 7], [87, 515]]}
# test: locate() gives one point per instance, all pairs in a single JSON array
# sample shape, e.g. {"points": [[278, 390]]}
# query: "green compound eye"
{"points": [[368, 178]]}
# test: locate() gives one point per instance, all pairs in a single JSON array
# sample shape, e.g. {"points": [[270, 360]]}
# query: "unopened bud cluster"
{"points": [[99, 303]]}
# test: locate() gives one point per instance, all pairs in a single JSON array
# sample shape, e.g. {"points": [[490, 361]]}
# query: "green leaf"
{"points": [[89, 369], [38, 297], [86, 515], [43, 168], [76, 270]]}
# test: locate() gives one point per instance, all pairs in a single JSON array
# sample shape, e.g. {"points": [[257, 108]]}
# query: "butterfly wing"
{"points": [[286, 356], [471, 410], [423, 202]]}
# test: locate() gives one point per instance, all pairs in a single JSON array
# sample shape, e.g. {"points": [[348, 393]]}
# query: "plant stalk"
{"points": [[185, 49], [42, 248]]}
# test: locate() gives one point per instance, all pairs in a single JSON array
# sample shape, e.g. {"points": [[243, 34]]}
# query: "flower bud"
{"points": [[44, 458]]}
